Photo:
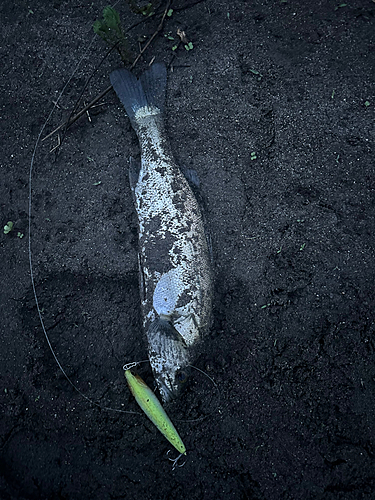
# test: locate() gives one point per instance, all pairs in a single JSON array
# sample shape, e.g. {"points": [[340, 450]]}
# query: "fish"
{"points": [[150, 404], [175, 265]]}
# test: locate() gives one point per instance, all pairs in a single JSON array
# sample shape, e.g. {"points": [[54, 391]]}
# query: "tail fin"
{"points": [[148, 91]]}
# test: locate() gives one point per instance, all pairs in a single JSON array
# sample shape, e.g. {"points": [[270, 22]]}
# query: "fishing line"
{"points": [[203, 417], [29, 243]]}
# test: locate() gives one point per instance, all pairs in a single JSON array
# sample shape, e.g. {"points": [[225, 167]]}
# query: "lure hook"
{"points": [[175, 460]]}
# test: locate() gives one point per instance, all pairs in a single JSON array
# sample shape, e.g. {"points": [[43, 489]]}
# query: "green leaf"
{"points": [[111, 17], [8, 227], [147, 10], [110, 30]]}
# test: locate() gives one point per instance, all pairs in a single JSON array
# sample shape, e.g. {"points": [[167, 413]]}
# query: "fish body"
{"points": [[174, 256], [154, 410]]}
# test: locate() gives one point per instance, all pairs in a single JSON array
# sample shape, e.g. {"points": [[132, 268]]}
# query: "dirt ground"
{"points": [[274, 109]]}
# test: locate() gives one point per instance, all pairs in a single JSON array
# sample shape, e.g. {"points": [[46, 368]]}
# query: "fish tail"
{"points": [[147, 92]]}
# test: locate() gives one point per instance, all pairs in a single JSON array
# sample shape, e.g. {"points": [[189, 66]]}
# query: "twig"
{"points": [[79, 114], [153, 36]]}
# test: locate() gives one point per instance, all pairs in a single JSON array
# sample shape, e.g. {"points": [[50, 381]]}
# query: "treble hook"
{"points": [[175, 460]]}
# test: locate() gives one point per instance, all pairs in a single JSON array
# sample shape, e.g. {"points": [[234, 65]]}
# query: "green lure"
{"points": [[154, 410]]}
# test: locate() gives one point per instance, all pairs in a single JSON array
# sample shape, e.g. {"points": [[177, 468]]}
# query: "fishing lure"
{"points": [[154, 411]]}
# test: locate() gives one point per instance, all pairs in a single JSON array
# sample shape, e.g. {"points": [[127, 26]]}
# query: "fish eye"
{"points": [[181, 376]]}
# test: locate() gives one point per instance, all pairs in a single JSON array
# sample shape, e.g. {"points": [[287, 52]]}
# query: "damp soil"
{"points": [[274, 109]]}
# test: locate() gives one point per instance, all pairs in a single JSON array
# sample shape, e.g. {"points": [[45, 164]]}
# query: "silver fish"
{"points": [[174, 255]]}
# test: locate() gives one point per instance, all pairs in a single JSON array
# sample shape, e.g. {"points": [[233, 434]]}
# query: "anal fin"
{"points": [[134, 169]]}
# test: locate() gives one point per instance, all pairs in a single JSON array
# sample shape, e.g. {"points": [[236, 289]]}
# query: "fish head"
{"points": [[169, 358]]}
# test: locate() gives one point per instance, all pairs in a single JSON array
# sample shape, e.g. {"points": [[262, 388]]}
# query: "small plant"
{"points": [[20, 235], [8, 227], [183, 39], [145, 10], [253, 156], [110, 30], [367, 104], [256, 72]]}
